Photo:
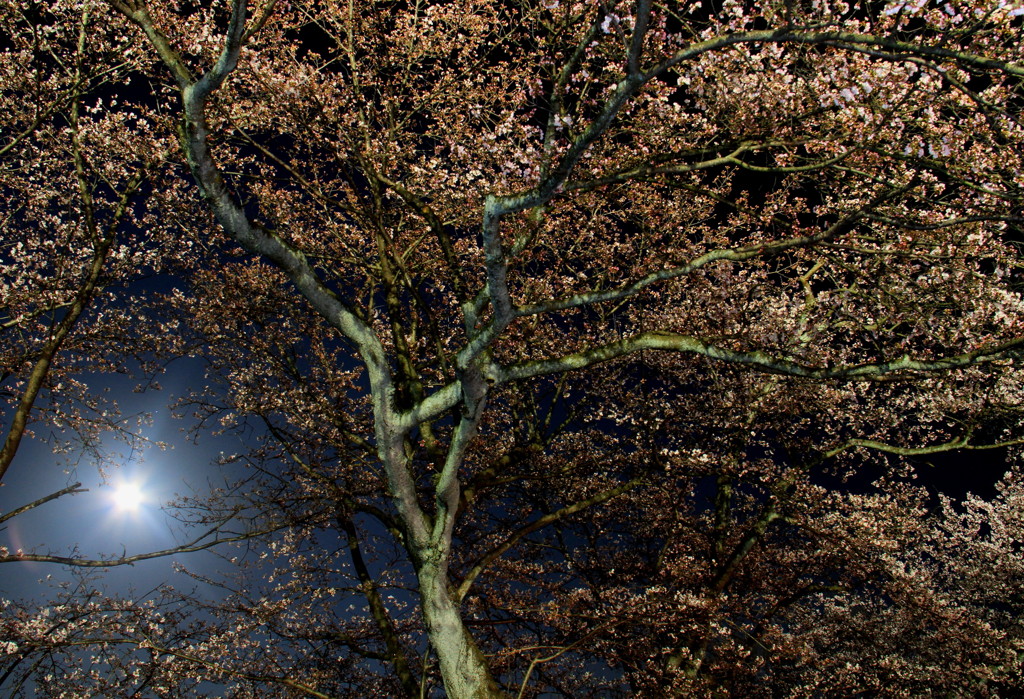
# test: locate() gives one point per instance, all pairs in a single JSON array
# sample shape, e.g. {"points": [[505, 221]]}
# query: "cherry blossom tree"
{"points": [[590, 345], [56, 252]]}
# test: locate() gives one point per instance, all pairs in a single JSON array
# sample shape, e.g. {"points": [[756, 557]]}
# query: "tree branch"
{"points": [[539, 523], [190, 547], [739, 254], [379, 612], [75, 488], [962, 442], [673, 342], [258, 239]]}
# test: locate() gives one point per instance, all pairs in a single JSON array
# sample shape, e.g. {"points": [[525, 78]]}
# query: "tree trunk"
{"points": [[464, 669]]}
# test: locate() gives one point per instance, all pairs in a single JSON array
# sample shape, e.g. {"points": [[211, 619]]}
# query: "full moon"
{"points": [[128, 496]]}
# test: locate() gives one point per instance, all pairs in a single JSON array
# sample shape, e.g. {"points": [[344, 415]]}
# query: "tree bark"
{"points": [[464, 669]]}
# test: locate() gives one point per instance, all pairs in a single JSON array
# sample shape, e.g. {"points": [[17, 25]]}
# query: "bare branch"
{"points": [[75, 488], [79, 562]]}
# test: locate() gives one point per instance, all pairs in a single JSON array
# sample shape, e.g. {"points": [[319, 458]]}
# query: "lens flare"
{"points": [[128, 496]]}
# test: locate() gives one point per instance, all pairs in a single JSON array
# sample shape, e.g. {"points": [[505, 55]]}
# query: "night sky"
{"points": [[92, 520]]}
